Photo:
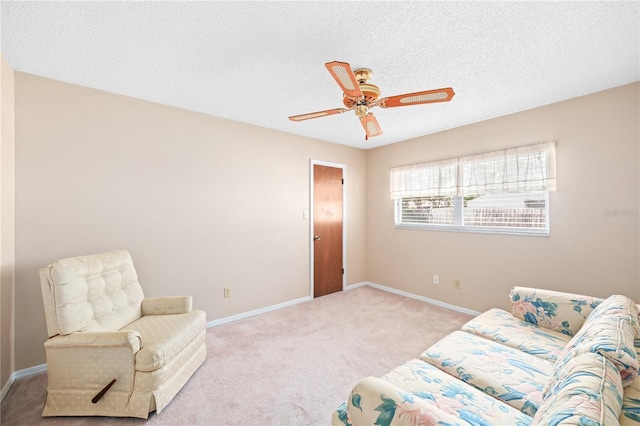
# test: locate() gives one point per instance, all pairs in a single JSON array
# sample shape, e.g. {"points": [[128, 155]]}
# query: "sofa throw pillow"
{"points": [[588, 391], [609, 330]]}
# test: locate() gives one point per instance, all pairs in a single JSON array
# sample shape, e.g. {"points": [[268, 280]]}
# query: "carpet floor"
{"points": [[293, 366]]}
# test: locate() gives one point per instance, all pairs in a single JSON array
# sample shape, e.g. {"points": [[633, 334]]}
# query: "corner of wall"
{"points": [[7, 225]]}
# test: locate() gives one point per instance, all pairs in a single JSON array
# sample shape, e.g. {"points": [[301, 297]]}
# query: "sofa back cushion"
{"points": [[553, 310], [610, 331], [587, 390], [91, 293]]}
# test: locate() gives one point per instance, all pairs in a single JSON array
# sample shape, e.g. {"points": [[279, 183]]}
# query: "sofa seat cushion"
{"points": [[510, 375], [418, 380], [609, 330], [165, 336], [587, 391], [502, 327]]}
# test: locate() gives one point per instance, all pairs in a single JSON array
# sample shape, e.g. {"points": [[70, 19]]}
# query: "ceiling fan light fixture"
{"points": [[361, 110]]}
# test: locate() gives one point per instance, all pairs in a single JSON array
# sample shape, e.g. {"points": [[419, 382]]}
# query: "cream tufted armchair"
{"points": [[111, 352]]}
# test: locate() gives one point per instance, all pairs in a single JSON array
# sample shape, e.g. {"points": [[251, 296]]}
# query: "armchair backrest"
{"points": [[91, 293]]}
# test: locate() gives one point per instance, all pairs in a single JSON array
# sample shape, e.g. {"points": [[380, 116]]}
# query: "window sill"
{"points": [[475, 230]]}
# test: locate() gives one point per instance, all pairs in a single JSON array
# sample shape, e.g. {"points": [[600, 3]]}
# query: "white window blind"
{"points": [[501, 191]]}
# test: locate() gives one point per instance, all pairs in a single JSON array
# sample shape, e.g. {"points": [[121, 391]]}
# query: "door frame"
{"points": [[312, 163]]}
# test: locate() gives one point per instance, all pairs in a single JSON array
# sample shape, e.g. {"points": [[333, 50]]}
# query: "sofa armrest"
{"points": [[167, 305], [554, 310], [97, 339], [375, 401]]}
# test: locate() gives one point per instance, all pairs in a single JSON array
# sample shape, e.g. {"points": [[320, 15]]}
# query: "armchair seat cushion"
{"points": [[165, 336]]}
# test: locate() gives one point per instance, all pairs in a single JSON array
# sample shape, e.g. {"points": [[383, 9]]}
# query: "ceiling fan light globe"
{"points": [[361, 110]]}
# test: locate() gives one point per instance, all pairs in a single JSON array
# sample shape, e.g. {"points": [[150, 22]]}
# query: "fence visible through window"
{"points": [[527, 211]]}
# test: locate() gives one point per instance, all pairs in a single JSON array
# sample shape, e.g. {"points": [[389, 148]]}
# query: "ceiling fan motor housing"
{"points": [[371, 94]]}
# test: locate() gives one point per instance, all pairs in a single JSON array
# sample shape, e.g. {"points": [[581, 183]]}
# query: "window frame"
{"points": [[521, 170], [459, 225]]}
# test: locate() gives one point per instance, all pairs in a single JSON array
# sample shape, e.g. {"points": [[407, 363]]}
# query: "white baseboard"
{"points": [[356, 285], [43, 367], [255, 312], [7, 386], [26, 372], [417, 297]]}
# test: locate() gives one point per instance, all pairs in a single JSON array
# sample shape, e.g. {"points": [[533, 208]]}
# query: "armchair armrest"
{"points": [[167, 305], [98, 339], [555, 310], [91, 359]]}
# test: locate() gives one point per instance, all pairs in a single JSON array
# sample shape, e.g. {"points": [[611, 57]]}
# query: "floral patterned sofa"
{"points": [[557, 359]]}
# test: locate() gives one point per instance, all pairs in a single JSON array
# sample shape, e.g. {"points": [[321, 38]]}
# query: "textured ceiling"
{"points": [[260, 62]]}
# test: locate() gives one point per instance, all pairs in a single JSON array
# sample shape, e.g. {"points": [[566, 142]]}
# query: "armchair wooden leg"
{"points": [[104, 390]]}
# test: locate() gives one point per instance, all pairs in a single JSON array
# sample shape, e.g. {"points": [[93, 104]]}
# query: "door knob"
{"points": [[316, 238]]}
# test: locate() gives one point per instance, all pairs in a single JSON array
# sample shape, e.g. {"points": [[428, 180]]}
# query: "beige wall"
{"points": [[205, 203], [7, 220], [587, 252], [202, 203]]}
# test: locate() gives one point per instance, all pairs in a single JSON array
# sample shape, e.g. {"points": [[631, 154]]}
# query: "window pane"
{"points": [[506, 210], [436, 210]]}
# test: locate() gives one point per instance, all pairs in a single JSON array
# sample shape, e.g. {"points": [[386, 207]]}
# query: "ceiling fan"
{"points": [[360, 96]]}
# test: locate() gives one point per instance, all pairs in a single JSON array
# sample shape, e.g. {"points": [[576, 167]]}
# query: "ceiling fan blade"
{"points": [[342, 74], [317, 114], [371, 126], [417, 98]]}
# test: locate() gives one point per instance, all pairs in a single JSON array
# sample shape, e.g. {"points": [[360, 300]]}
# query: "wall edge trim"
{"points": [[418, 297], [30, 371], [19, 374], [255, 312]]}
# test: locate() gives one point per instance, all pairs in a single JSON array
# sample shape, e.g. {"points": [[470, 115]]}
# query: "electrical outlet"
{"points": [[227, 293], [456, 284], [436, 279]]}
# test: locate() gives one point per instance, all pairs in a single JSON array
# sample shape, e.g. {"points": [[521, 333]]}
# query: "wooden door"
{"points": [[327, 230]]}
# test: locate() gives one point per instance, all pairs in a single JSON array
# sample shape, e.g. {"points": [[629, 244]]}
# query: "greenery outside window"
{"points": [[501, 192]]}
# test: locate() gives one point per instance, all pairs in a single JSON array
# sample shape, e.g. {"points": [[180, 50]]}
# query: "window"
{"points": [[503, 191]]}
